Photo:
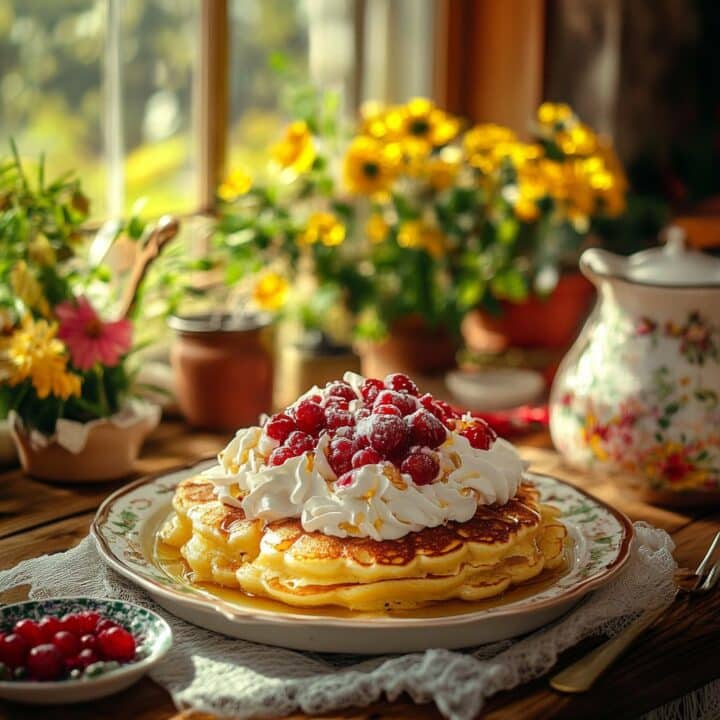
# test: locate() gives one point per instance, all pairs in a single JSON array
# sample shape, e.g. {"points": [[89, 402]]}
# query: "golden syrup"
{"points": [[171, 562]]}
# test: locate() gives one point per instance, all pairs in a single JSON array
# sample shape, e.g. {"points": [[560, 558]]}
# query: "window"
{"points": [[154, 98]]}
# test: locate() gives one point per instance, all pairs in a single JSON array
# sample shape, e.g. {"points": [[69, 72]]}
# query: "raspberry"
{"points": [[367, 456], [309, 416], [387, 434], [426, 429], [339, 418], [370, 389], [105, 624], [421, 466], [339, 455], [279, 455], [279, 426], [387, 410], [116, 644], [336, 403], [88, 621], [405, 403], [88, 656], [49, 625], [340, 389], [67, 644], [360, 442], [480, 435], [361, 414], [88, 642], [401, 383], [29, 631], [45, 662], [73, 623], [346, 431], [13, 650], [299, 442]]}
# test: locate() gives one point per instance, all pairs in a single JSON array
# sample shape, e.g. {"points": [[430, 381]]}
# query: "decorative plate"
{"points": [[126, 523], [153, 635]]}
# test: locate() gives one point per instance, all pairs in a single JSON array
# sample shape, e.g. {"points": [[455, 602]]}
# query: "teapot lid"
{"points": [[673, 264]]}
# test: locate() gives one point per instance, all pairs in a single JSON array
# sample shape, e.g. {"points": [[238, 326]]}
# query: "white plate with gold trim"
{"points": [[127, 522]]}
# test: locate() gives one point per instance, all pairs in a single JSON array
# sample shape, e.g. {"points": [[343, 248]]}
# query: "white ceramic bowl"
{"points": [[155, 634], [495, 388]]}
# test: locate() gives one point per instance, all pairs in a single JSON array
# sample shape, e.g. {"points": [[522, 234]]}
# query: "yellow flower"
{"points": [[481, 144], [369, 166], [551, 114], [418, 235], [34, 352], [26, 287], [376, 228], [442, 171], [296, 150], [270, 291], [577, 140], [422, 120], [323, 227], [41, 251], [237, 183]]}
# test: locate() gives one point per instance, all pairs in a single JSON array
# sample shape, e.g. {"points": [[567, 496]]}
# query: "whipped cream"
{"points": [[381, 502]]}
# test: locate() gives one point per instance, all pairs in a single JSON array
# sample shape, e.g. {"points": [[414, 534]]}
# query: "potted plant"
{"points": [[65, 371], [411, 224], [552, 195]]}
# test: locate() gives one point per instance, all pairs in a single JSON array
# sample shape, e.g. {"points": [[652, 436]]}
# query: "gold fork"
{"points": [[581, 675]]}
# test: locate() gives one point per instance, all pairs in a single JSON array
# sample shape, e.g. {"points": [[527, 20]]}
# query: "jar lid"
{"points": [[219, 322], [673, 264]]}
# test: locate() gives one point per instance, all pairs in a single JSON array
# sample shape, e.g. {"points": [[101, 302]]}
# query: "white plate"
{"points": [[126, 523], [495, 388], [142, 623]]}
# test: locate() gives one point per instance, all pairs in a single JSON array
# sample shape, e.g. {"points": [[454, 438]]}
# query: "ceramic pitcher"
{"points": [[638, 395]]}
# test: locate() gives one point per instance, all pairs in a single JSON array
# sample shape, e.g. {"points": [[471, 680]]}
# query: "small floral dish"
{"points": [[151, 633]]}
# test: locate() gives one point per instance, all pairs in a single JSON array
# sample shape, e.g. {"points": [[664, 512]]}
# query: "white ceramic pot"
{"points": [[638, 395], [103, 449]]}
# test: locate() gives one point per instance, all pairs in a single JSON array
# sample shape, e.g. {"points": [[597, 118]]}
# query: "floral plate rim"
{"points": [[143, 572], [159, 648]]}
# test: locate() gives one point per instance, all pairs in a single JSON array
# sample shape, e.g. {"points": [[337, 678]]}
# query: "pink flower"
{"points": [[88, 338]]}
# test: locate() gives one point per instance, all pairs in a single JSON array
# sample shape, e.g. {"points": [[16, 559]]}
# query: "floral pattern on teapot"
{"points": [[639, 396]]}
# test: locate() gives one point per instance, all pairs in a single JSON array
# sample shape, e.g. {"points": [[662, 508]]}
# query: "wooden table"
{"points": [[680, 654]]}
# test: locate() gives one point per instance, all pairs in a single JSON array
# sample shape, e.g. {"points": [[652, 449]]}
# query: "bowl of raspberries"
{"points": [[65, 650]]}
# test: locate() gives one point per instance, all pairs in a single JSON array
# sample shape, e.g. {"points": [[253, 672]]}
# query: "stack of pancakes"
{"points": [[501, 546]]}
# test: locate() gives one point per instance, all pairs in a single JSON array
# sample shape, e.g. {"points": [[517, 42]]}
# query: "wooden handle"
{"points": [[166, 229], [581, 675]]}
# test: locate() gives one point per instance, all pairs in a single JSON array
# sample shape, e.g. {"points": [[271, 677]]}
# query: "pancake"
{"points": [[500, 546]]}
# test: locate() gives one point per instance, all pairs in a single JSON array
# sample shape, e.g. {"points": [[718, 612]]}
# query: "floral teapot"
{"points": [[638, 395]]}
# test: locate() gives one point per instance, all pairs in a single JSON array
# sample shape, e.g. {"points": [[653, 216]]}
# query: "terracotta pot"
{"points": [[412, 347], [303, 365], [551, 322], [223, 369], [97, 451]]}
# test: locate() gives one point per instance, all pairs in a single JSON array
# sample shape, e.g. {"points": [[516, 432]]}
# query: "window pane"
{"points": [[159, 47], [50, 86], [57, 74], [260, 29]]}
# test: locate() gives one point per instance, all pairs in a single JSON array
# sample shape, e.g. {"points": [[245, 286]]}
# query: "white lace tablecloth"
{"points": [[209, 672]]}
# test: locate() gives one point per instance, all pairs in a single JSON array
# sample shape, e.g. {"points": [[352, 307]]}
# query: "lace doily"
{"points": [[227, 677]]}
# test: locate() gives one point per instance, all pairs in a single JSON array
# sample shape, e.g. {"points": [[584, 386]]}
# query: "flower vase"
{"points": [[412, 347], [96, 451]]}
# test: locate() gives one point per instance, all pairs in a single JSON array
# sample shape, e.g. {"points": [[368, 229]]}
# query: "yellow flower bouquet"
{"points": [[413, 213]]}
